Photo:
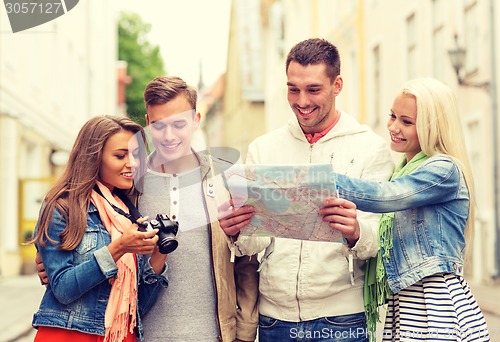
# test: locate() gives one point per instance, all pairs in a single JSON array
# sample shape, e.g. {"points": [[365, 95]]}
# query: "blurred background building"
{"points": [[53, 78], [382, 43]]}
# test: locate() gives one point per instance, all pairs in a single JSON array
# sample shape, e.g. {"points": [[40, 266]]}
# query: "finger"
{"points": [[235, 220], [340, 227], [340, 211], [341, 216], [154, 239], [350, 232], [149, 234], [231, 213], [227, 213], [142, 219], [40, 267], [339, 202], [235, 229]]}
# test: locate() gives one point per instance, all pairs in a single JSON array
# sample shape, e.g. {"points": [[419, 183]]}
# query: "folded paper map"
{"points": [[286, 198]]}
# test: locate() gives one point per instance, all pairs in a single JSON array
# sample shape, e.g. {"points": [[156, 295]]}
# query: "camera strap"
{"points": [[134, 213]]}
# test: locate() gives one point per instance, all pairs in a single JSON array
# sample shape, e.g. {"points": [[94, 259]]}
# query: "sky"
{"points": [[188, 32]]}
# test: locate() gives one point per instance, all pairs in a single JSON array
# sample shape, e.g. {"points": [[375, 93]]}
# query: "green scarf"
{"points": [[376, 289]]}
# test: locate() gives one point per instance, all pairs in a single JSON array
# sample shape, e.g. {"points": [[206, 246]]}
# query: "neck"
{"points": [[328, 122]]}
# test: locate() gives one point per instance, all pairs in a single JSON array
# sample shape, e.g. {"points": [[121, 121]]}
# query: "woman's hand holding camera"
{"points": [[133, 241]]}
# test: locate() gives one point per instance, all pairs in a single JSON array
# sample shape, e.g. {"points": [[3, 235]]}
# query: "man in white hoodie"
{"points": [[306, 287]]}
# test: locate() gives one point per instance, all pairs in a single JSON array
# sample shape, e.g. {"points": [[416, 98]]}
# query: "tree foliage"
{"points": [[143, 59]]}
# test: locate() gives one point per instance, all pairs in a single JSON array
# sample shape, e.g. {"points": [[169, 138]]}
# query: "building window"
{"points": [[438, 51], [277, 23], [377, 86], [471, 37], [411, 46]]}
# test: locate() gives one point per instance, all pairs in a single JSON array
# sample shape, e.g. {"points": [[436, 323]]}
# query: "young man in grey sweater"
{"points": [[209, 297]]}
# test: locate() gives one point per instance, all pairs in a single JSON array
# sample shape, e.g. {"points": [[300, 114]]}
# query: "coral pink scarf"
{"points": [[121, 308]]}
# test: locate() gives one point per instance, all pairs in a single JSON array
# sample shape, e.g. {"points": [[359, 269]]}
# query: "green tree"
{"points": [[143, 59]]}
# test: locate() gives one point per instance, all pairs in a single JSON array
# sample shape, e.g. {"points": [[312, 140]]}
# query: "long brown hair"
{"points": [[70, 195]]}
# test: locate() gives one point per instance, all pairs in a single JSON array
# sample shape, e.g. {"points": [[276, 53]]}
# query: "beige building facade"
{"points": [[53, 78], [383, 43]]}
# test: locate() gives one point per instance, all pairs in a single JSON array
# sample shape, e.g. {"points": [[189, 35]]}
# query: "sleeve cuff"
{"points": [[106, 263], [151, 277]]}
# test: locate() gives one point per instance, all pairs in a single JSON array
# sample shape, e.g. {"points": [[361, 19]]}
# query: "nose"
{"points": [[132, 161], [393, 127], [168, 133], [302, 100]]}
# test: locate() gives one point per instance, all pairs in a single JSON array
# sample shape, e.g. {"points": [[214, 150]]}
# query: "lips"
{"points": [[396, 139], [305, 113], [171, 147], [127, 174]]}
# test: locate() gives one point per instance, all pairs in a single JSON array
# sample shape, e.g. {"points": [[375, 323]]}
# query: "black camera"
{"points": [[167, 231]]}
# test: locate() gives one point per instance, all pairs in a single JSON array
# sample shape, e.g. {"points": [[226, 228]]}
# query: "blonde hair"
{"points": [[440, 131], [70, 195]]}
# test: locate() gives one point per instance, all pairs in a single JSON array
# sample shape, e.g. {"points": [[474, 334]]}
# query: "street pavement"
{"points": [[20, 297]]}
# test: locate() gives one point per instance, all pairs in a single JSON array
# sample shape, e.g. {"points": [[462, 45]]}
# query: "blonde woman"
{"points": [[427, 223], [92, 252]]}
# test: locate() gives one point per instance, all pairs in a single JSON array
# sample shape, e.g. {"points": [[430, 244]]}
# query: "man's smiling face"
{"points": [[172, 125]]}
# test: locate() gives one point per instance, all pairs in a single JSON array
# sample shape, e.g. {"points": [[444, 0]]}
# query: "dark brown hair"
{"points": [[316, 51], [163, 89]]}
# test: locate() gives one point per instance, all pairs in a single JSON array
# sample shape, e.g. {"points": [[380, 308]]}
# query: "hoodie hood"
{"points": [[347, 125]]}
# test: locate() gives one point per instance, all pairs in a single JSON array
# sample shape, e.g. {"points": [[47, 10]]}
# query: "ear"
{"points": [[146, 117], [337, 85], [197, 119]]}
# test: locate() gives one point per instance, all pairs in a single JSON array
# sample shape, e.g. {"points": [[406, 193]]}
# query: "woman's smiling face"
{"points": [[119, 160], [402, 126]]}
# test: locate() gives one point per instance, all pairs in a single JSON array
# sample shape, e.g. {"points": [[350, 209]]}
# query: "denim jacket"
{"points": [[431, 208], [79, 288]]}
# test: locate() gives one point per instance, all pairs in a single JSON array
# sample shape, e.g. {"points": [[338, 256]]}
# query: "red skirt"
{"points": [[51, 334]]}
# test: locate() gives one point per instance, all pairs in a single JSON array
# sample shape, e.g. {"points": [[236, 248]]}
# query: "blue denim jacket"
{"points": [[431, 207], [79, 288]]}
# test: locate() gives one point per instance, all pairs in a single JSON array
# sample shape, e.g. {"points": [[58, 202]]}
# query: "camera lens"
{"points": [[167, 245], [167, 230]]}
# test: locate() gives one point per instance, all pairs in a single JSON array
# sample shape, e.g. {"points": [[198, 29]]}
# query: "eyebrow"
{"points": [[314, 85], [168, 123], [404, 116]]}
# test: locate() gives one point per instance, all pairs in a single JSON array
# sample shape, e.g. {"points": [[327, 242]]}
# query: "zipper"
{"points": [[298, 278], [350, 260], [351, 163], [349, 167]]}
